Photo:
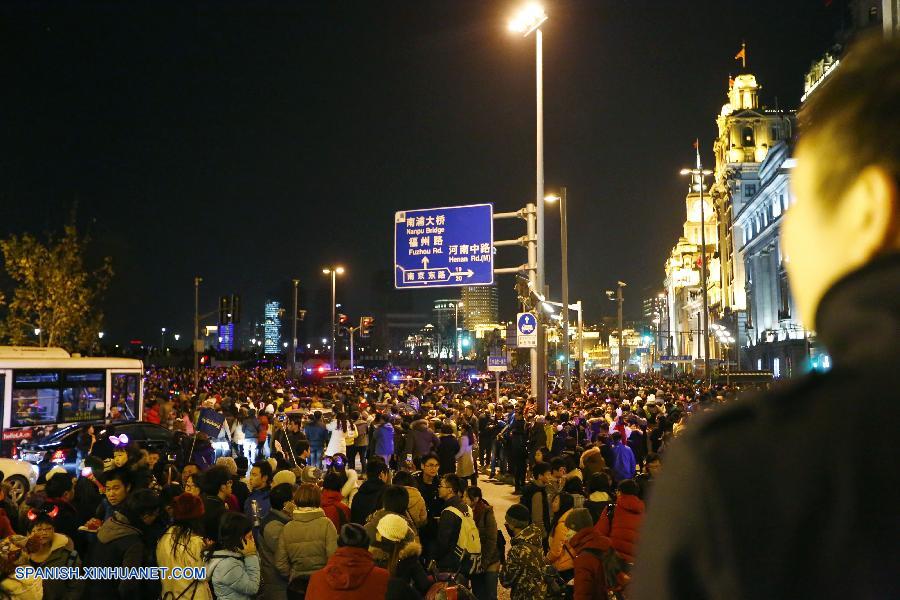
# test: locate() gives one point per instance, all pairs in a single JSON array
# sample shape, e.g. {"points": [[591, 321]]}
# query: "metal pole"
{"points": [[351, 330], [539, 193], [497, 373], [564, 235], [706, 372], [196, 336], [620, 298], [296, 282], [333, 309], [581, 348], [531, 233], [456, 336]]}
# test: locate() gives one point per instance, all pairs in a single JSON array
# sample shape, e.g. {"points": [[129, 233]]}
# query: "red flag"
{"points": [[696, 144], [742, 55]]}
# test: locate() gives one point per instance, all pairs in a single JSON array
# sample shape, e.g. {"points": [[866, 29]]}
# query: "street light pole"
{"points": [[620, 299], [296, 282], [334, 272], [564, 242], [162, 341], [196, 336], [580, 347]]}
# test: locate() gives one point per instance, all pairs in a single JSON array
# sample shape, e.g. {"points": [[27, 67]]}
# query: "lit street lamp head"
{"points": [[551, 198], [528, 19]]}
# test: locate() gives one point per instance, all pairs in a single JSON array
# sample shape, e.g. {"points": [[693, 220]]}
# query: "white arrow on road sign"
{"points": [[425, 262]]}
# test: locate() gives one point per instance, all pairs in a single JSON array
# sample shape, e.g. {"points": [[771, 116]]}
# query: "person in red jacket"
{"points": [[151, 414], [333, 502], [351, 573], [623, 525], [587, 547]]}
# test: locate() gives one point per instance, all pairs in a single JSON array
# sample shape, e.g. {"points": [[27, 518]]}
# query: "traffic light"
{"points": [[365, 326], [224, 309], [342, 319], [235, 308]]}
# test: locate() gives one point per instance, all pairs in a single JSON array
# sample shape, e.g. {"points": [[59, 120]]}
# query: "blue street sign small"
{"points": [[444, 247], [497, 363]]}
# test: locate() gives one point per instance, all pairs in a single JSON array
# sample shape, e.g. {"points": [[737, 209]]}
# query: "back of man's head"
{"points": [[395, 499]]}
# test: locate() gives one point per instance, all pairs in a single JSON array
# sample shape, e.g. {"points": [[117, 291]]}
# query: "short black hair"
{"points": [[539, 469], [265, 469], [142, 502], [58, 485], [598, 482], [455, 482], [395, 499], [280, 494], [120, 474], [430, 456], [333, 481], [374, 469], [404, 478], [630, 487], [617, 436], [212, 480], [233, 526], [557, 463]]}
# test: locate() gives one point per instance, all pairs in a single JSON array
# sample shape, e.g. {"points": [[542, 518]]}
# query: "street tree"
{"points": [[53, 291]]}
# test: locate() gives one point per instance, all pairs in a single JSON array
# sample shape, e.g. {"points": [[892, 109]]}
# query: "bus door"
{"points": [[125, 398]]}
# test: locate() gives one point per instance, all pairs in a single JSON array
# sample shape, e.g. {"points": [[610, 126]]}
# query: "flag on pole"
{"points": [[742, 55], [697, 148]]}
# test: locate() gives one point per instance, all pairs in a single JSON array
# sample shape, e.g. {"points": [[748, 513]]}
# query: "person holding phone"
{"points": [[232, 565]]}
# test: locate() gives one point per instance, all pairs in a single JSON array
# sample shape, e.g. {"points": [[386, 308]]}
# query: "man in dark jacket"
{"points": [[120, 543], [819, 518], [449, 526], [317, 436], [215, 485], [534, 498], [367, 498]]}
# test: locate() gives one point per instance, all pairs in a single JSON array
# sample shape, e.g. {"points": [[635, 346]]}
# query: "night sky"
{"points": [[253, 142]]}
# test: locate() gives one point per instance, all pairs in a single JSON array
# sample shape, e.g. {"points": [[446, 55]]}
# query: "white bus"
{"points": [[46, 388]]}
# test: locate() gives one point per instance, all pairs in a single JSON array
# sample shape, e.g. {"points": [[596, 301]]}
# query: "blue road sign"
{"points": [[444, 247], [526, 330]]}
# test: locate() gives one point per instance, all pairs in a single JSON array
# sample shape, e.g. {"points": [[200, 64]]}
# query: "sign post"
{"points": [[444, 247], [497, 364]]}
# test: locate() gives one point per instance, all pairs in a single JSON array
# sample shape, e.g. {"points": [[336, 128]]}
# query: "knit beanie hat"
{"points": [[186, 507], [354, 536], [284, 477], [393, 527], [518, 516], [578, 519]]}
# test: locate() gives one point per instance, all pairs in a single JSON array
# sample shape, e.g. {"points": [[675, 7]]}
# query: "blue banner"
{"points": [[210, 422]]}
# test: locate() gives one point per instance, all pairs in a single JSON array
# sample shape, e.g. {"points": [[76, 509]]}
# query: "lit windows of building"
{"points": [[272, 327]]}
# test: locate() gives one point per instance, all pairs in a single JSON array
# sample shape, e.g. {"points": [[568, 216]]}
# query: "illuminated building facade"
{"points": [[272, 327], [480, 306]]}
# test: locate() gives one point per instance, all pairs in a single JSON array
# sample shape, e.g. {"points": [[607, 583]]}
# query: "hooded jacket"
{"points": [[416, 508], [119, 544], [272, 586], [523, 571], [590, 579], [334, 508], [60, 554], [232, 575], [626, 524], [409, 568], [305, 543], [558, 555], [383, 440], [423, 439], [823, 500], [351, 574]]}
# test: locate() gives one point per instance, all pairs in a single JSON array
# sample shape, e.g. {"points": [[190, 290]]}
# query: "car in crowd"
{"points": [[20, 475], [60, 447]]}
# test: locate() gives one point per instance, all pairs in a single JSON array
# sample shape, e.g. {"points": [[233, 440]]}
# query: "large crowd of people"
{"points": [[361, 489]]}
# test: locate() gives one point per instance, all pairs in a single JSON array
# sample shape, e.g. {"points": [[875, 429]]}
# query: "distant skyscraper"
{"points": [[481, 305], [444, 313], [272, 329]]}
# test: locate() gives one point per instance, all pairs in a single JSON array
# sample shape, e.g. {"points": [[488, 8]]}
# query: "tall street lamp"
{"points": [[162, 340], [620, 298], [527, 21], [564, 241], [334, 272], [698, 174]]}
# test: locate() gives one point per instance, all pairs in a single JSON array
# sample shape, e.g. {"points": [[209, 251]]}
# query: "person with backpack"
{"points": [[523, 571], [182, 545], [232, 566], [458, 547], [621, 521], [272, 585], [587, 549], [484, 584]]}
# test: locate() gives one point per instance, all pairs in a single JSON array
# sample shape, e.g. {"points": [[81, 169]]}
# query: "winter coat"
{"points": [[371, 525], [188, 554], [349, 489], [366, 500], [60, 554], [448, 535], [623, 465], [232, 575], [66, 521], [334, 508], [557, 555], [823, 501], [465, 466], [423, 439], [448, 447], [213, 509], [362, 433], [534, 497], [486, 522], [204, 455], [316, 434], [523, 571], [28, 588], [337, 443], [119, 544], [350, 573], [626, 524], [409, 567], [250, 427], [595, 503], [305, 543], [263, 505], [383, 440], [416, 508], [273, 586], [590, 578]]}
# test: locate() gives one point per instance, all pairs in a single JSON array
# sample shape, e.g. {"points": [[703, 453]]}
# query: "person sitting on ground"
{"points": [[350, 573]]}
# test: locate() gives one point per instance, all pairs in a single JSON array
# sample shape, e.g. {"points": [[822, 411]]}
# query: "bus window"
{"points": [[124, 401], [35, 398], [84, 397]]}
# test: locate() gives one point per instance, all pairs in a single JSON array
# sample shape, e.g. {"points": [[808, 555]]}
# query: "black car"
{"points": [[59, 448]]}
